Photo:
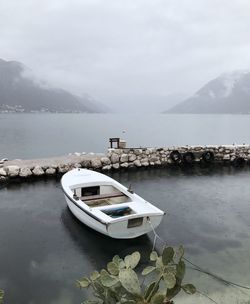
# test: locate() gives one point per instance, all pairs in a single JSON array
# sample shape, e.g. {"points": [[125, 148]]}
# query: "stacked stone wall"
{"points": [[155, 157], [121, 159]]}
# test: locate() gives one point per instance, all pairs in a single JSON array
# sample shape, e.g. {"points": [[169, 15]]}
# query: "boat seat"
{"points": [[101, 196]]}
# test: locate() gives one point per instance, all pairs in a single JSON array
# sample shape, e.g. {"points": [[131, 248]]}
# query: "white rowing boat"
{"points": [[107, 206]]}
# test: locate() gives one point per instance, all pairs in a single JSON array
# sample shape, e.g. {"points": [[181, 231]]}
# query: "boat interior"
{"points": [[101, 195], [106, 196]]}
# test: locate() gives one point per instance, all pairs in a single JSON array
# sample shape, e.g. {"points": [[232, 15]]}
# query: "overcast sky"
{"points": [[135, 50]]}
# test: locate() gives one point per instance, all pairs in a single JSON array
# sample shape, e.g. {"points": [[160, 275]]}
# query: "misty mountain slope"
{"points": [[21, 94], [229, 94]]}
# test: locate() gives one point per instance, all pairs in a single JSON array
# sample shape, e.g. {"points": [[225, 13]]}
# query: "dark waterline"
{"points": [[44, 249]]}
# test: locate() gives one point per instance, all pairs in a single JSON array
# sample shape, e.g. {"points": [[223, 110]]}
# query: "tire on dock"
{"points": [[188, 158], [176, 156], [238, 161], [207, 156]]}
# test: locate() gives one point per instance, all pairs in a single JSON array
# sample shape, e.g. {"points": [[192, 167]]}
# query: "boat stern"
{"points": [[134, 226]]}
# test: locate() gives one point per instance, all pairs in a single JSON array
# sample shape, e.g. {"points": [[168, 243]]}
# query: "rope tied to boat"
{"points": [[156, 235]]}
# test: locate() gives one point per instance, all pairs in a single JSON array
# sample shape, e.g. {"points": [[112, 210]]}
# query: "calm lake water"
{"points": [[44, 248], [43, 135]]}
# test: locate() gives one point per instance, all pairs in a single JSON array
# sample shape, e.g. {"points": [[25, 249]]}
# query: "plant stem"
{"points": [[154, 289]]}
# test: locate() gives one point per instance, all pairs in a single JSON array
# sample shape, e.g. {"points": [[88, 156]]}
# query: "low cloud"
{"points": [[112, 49]]}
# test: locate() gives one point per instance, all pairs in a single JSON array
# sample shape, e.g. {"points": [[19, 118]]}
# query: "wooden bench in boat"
{"points": [[104, 199], [101, 196]]}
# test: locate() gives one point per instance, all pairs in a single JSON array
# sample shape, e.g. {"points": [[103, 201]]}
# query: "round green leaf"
{"points": [[122, 264], [103, 271], [153, 256], [189, 288], [170, 269], [84, 282], [148, 270], [169, 280], [130, 281], [158, 299], [159, 263], [108, 280], [135, 259], [181, 268], [167, 255], [132, 260], [116, 259], [113, 268], [181, 251], [95, 275], [127, 260]]}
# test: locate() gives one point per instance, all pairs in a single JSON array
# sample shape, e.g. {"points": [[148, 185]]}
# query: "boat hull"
{"points": [[119, 229], [85, 218]]}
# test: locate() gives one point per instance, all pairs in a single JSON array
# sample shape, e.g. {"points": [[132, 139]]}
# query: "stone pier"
{"points": [[125, 158]]}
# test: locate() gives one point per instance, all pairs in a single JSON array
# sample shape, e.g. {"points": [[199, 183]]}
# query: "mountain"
{"points": [[19, 93], [229, 94]]}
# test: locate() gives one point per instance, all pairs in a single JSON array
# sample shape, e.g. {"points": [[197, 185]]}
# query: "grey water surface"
{"points": [[43, 135], [44, 248]]}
